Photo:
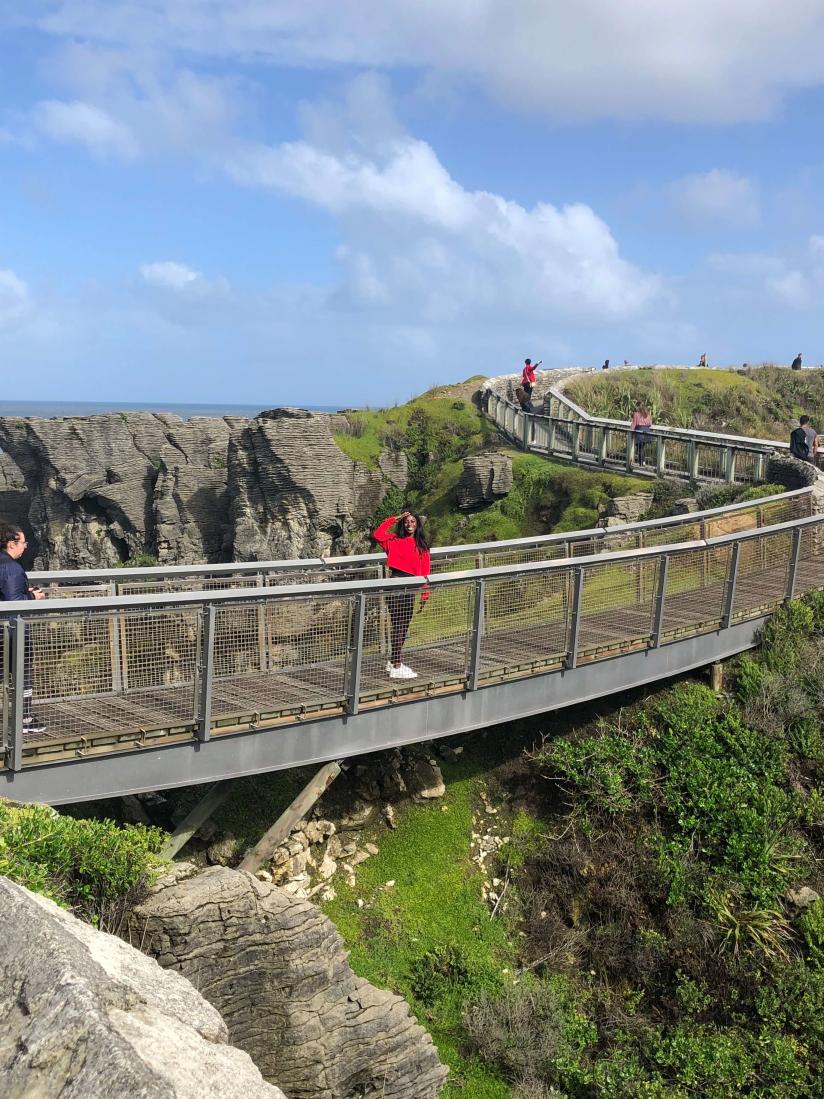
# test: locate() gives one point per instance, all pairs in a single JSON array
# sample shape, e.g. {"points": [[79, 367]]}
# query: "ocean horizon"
{"points": [[50, 409]]}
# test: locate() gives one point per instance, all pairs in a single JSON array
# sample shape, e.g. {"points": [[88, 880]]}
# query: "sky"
{"points": [[344, 203]]}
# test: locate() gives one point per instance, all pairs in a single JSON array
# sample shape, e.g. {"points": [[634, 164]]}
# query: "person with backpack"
{"points": [[407, 554], [14, 585], [799, 440]]}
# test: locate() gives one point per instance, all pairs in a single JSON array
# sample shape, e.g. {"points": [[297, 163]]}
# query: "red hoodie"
{"points": [[528, 375], [401, 552]]}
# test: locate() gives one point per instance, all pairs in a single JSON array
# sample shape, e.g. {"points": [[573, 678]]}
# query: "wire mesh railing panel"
{"points": [[73, 655], [761, 579], [689, 530], [159, 647], [710, 461], [521, 555], [173, 584], [75, 589], [427, 636], [747, 466], [525, 621], [280, 656], [810, 571], [696, 585], [774, 511], [616, 605], [676, 456]]}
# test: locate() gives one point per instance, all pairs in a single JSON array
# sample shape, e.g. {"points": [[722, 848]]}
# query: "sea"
{"points": [[92, 408]]}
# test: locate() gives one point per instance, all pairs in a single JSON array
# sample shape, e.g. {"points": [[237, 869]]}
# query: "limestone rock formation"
{"points": [[626, 509], [91, 481], [293, 492], [276, 969], [85, 1016], [485, 477]]}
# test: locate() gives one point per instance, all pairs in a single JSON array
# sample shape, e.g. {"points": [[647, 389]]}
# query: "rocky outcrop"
{"points": [[85, 1016], [95, 491], [485, 478], [276, 969], [625, 509], [293, 492]]}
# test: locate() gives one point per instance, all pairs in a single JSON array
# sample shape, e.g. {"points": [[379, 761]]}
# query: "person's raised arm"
{"points": [[385, 533]]}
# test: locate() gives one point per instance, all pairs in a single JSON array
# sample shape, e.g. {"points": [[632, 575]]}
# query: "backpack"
{"points": [[799, 448]]}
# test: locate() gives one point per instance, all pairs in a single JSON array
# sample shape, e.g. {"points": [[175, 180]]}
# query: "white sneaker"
{"points": [[402, 672], [389, 667]]}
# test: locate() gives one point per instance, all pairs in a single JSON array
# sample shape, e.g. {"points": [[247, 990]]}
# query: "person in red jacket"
{"points": [[528, 379], [407, 554]]}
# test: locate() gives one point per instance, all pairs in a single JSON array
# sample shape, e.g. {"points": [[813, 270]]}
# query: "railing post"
{"points": [[630, 451], [261, 627], [729, 464], [575, 618], [114, 648], [14, 754], [661, 456], [205, 673], [602, 446], [792, 567], [576, 439], [760, 467], [354, 664], [692, 460], [525, 437], [474, 670], [550, 442], [660, 599], [729, 594]]}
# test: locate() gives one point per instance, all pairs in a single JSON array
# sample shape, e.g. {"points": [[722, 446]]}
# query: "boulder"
{"points": [[625, 509], [83, 1015], [277, 970], [783, 469], [485, 478]]}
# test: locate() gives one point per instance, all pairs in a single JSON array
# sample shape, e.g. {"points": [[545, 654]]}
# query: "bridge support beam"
{"points": [[274, 837], [215, 796]]}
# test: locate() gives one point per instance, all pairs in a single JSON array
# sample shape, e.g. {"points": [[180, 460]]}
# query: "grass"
{"points": [[430, 937]]}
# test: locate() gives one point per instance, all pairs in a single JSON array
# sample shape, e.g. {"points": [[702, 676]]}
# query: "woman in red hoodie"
{"points": [[407, 554]]}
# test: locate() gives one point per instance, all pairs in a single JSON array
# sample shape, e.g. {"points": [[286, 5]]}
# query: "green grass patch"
{"points": [[430, 937]]}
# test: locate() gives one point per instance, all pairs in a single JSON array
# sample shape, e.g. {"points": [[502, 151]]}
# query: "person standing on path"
{"points": [[528, 376], [799, 440], [796, 365], [641, 427], [14, 584], [407, 554], [812, 441]]}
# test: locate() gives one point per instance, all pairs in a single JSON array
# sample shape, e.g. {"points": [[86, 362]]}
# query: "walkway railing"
{"points": [[124, 672], [163, 579], [573, 434]]}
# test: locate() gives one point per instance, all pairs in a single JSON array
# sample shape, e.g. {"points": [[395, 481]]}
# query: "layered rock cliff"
{"points": [[95, 491]]}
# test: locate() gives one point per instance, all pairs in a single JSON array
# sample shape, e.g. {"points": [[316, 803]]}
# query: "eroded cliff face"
{"points": [[95, 491]]}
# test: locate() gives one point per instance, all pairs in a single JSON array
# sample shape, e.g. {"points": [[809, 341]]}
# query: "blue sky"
{"points": [[273, 201]]}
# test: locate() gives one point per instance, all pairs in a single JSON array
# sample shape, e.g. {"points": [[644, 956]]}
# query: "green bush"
{"points": [[96, 868]]}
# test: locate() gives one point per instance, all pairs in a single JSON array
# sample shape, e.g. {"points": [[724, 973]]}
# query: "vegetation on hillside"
{"points": [[652, 946], [439, 429], [763, 401]]}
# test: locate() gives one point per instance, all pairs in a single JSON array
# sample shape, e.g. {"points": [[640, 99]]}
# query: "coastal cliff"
{"points": [[96, 491]]}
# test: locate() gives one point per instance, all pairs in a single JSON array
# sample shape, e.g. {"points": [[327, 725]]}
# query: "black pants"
{"points": [[401, 606]]}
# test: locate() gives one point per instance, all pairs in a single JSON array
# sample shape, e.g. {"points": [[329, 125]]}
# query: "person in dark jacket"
{"points": [[799, 443], [796, 362], [14, 584]]}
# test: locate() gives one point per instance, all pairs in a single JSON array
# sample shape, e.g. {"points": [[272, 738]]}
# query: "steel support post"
{"points": [[205, 674], [14, 754], [792, 567], [474, 670], [114, 647], [575, 618], [732, 579], [661, 456], [527, 432], [576, 439], [729, 464], [550, 442], [630, 451], [761, 467], [660, 600], [353, 669], [692, 460], [602, 446], [6, 737]]}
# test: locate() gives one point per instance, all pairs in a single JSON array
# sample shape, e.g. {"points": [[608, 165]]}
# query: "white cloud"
{"points": [[716, 198], [14, 297], [792, 288], [86, 124], [415, 236], [183, 295], [687, 60], [794, 280], [169, 275]]}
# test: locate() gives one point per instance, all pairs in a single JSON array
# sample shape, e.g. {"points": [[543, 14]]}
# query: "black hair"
{"points": [[528, 362], [8, 533], [419, 535], [803, 420]]}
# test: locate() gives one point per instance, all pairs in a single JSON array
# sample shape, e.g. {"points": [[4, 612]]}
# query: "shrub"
{"points": [[94, 867]]}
